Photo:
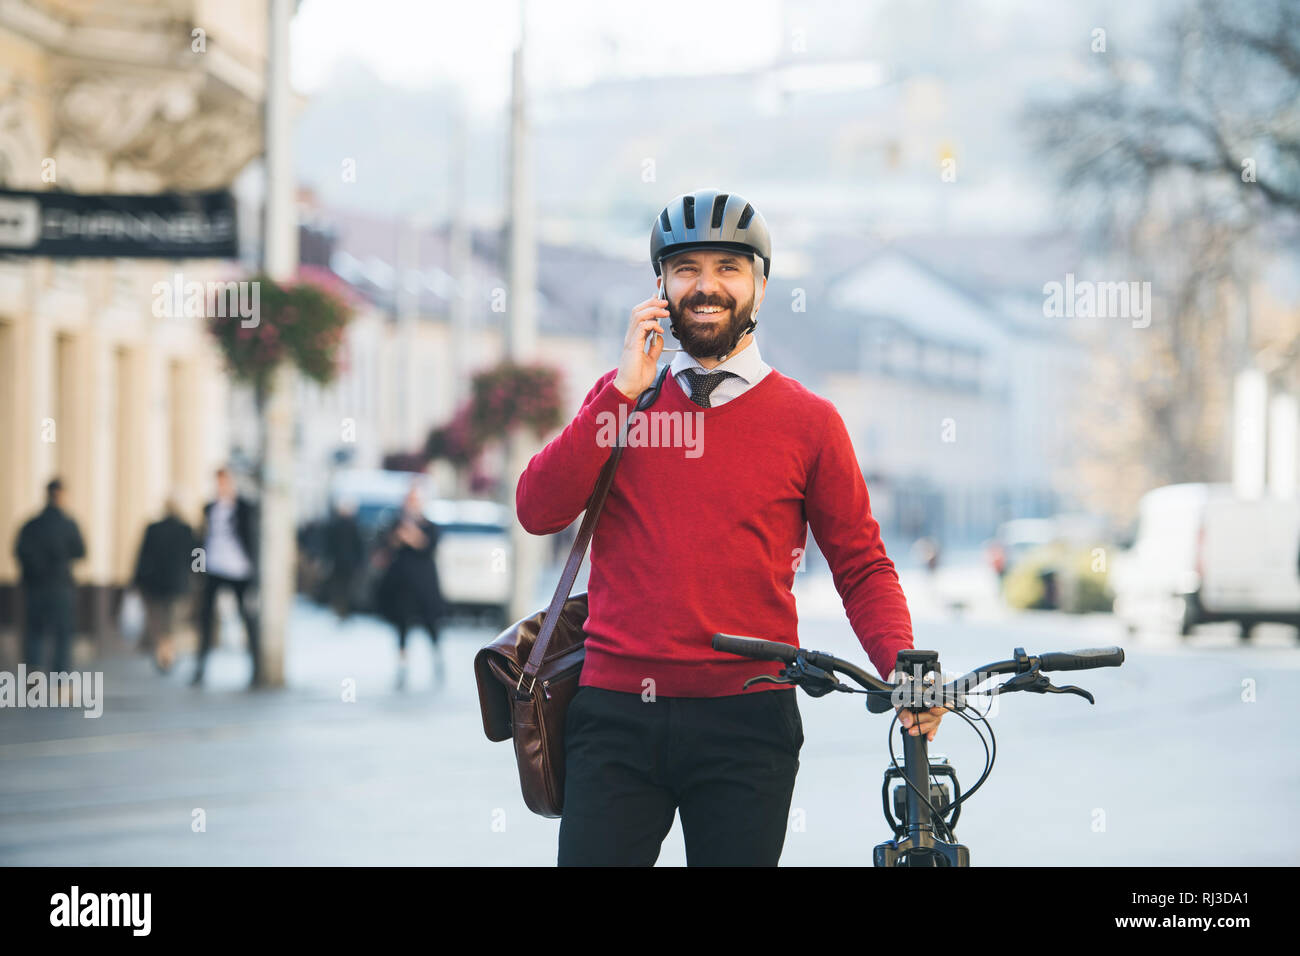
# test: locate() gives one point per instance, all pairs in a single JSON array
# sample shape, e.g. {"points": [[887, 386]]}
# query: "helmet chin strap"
{"points": [[753, 324], [753, 317]]}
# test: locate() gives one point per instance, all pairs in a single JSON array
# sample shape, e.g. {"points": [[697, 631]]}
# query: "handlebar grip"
{"points": [[1082, 660], [755, 647]]}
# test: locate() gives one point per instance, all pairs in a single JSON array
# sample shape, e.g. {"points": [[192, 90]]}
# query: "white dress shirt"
{"points": [[225, 555], [747, 365]]}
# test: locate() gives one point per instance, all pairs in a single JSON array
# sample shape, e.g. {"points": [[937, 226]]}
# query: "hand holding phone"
{"points": [[637, 367]]}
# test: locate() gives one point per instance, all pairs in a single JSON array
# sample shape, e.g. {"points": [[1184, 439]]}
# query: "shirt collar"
{"points": [[747, 363]]}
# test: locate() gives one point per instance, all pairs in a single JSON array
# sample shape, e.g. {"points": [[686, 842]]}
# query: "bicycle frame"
{"points": [[919, 846]]}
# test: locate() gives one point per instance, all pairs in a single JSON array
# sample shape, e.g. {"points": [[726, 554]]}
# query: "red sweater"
{"points": [[695, 540]]}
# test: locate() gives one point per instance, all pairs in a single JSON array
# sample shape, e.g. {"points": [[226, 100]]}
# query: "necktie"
{"points": [[703, 383]]}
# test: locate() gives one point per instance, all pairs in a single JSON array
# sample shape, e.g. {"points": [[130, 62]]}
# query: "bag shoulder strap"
{"points": [[585, 531]]}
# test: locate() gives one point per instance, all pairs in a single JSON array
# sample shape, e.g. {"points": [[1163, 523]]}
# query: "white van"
{"points": [[1203, 555]]}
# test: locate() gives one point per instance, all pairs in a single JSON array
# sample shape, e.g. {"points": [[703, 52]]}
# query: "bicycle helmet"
{"points": [[724, 222], [708, 219]]}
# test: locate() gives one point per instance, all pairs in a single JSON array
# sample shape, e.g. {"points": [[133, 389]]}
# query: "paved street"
{"points": [[1170, 767]]}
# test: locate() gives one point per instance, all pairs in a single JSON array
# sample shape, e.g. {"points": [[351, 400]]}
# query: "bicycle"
{"points": [[925, 822]]}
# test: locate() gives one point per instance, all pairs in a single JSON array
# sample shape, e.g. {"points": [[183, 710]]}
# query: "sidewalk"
{"points": [[296, 775]]}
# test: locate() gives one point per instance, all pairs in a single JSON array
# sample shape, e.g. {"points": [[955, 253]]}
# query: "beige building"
{"points": [[95, 387]]}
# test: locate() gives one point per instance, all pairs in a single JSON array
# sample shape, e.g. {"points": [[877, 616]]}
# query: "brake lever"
{"points": [[1069, 689], [1037, 682], [816, 681], [766, 677]]}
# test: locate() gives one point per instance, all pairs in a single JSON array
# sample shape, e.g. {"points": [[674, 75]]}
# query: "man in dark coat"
{"points": [[46, 546], [230, 561], [345, 553], [164, 573], [409, 591]]}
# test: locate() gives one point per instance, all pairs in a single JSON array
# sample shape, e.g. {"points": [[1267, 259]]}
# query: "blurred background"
{"points": [[1044, 259]]}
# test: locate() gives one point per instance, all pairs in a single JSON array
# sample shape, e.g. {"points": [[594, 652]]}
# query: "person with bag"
{"points": [[163, 575], [683, 546]]}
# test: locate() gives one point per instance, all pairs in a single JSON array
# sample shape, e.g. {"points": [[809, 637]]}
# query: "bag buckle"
{"points": [[530, 686]]}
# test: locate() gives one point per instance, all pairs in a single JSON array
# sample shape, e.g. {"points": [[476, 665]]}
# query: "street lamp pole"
{"points": [[521, 329], [277, 541]]}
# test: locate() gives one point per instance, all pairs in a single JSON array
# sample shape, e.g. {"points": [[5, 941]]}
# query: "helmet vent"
{"points": [[745, 216], [665, 221], [688, 204], [719, 206]]}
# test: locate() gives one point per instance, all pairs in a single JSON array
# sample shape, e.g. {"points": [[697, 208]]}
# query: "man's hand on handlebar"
{"points": [[929, 723]]}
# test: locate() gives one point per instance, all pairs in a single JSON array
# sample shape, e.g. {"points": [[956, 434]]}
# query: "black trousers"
{"points": [[417, 609], [48, 612], [212, 583], [727, 765]]}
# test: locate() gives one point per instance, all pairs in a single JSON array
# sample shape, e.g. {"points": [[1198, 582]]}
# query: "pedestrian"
{"points": [[163, 576], [230, 532], [46, 546], [408, 592], [926, 550], [345, 554], [702, 539]]}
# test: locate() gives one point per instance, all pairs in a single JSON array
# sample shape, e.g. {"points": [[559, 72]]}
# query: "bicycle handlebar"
{"points": [[1082, 660], [755, 647], [759, 649]]}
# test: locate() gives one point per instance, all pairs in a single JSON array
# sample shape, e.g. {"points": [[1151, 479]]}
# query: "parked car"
{"points": [[1203, 555], [1056, 563], [377, 494], [1014, 539], [475, 558], [1062, 575]]}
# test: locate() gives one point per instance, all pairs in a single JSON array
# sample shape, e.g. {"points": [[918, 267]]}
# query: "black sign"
{"points": [[161, 226]]}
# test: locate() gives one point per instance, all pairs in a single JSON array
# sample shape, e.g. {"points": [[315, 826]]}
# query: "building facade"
{"points": [[124, 404]]}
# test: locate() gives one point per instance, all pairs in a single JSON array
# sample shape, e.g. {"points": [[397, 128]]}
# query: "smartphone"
{"points": [[649, 339]]}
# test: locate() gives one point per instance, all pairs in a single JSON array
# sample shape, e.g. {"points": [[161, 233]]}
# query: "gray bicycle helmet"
{"points": [[708, 219]]}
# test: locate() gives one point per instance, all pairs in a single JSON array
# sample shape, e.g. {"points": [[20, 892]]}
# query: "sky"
{"points": [[416, 43]]}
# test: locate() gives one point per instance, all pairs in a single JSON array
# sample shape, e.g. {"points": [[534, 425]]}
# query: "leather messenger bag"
{"points": [[528, 675]]}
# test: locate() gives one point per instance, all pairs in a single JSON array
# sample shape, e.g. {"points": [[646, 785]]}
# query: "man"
{"points": [[345, 553], [45, 547], [230, 561], [687, 546], [162, 576]]}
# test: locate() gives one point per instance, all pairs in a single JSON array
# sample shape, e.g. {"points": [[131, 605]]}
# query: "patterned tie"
{"points": [[703, 383]]}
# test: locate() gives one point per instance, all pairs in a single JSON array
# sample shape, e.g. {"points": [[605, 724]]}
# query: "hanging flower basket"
{"points": [[508, 397], [503, 398], [300, 322]]}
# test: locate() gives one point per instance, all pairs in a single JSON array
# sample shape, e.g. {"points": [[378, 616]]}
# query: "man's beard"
{"points": [[713, 339]]}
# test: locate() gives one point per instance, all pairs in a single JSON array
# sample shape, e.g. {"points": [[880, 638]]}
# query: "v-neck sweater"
{"points": [[701, 538]]}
